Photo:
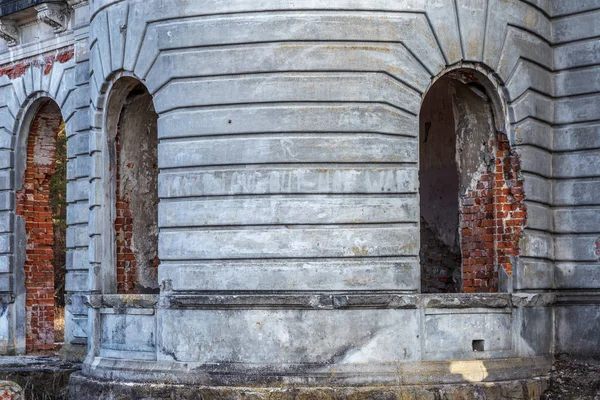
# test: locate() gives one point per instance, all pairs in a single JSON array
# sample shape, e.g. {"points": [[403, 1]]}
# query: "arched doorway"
{"points": [[132, 140], [471, 194], [41, 204]]}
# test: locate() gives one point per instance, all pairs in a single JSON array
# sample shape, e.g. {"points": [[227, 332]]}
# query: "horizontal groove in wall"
{"points": [[537, 231], [85, 247], [576, 68], [322, 167], [287, 194], [576, 123], [575, 152], [591, 178], [285, 103], [289, 227], [538, 203], [302, 196], [534, 258], [78, 225], [568, 207], [358, 261], [306, 74], [282, 134], [291, 258], [574, 41], [325, 165], [535, 146], [568, 14], [576, 234], [264, 104]]}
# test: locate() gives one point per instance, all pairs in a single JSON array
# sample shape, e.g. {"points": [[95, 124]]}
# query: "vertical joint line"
{"points": [[485, 29], [457, 18]]}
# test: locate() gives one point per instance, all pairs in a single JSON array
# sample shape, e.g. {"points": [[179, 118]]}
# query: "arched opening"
{"points": [[41, 204], [471, 195], [132, 136]]}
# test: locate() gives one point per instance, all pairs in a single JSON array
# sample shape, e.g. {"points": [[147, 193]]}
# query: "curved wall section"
{"points": [[288, 186], [274, 115], [282, 190]]}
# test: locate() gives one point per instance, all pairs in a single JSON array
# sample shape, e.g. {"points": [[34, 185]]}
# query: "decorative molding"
{"points": [[578, 298], [35, 48], [23, 25], [9, 32], [77, 3], [121, 301], [53, 14], [326, 301]]}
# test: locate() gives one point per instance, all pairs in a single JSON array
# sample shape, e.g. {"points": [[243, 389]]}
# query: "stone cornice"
{"points": [[55, 15], [9, 31], [324, 301]]}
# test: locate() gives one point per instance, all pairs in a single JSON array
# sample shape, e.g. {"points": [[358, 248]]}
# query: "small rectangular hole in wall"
{"points": [[478, 345]]}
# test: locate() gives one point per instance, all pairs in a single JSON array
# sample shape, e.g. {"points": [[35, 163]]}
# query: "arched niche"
{"points": [[472, 213], [130, 236], [40, 228]]}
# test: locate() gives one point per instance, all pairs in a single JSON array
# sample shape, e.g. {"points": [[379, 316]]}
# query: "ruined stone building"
{"points": [[301, 198]]}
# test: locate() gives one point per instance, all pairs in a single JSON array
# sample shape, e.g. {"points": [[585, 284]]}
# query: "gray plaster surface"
{"points": [[288, 164]]}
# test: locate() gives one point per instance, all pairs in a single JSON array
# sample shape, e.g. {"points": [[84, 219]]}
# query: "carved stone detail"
{"points": [[77, 3], [9, 32], [54, 15]]}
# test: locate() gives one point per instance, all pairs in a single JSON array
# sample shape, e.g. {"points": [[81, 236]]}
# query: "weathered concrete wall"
{"points": [[576, 168], [288, 170], [471, 189], [196, 102], [288, 179]]}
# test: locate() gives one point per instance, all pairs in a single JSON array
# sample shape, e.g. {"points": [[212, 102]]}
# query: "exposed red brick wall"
{"points": [[33, 205], [19, 68], [126, 265], [493, 216]]}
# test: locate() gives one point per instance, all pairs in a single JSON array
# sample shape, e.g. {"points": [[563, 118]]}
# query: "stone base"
{"points": [[73, 353], [83, 388]]}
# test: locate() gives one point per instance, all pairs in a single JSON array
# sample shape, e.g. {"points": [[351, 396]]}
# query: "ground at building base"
{"points": [[572, 380], [41, 378]]}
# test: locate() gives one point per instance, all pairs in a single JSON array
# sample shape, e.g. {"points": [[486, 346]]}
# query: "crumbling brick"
{"points": [[33, 205], [493, 216], [19, 68], [126, 264]]}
